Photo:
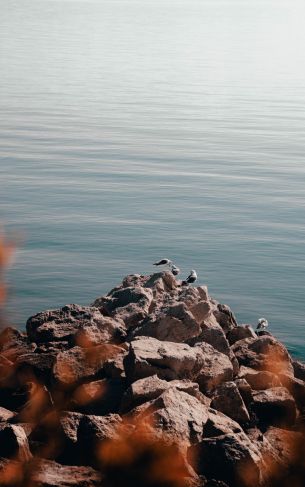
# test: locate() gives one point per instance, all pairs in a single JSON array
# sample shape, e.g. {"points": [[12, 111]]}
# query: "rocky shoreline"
{"points": [[155, 384]]}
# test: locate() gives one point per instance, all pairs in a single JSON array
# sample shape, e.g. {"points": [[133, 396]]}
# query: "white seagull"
{"points": [[175, 270], [164, 262], [262, 324], [191, 278]]}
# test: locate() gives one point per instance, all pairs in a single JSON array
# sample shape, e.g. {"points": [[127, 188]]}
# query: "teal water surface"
{"points": [[136, 130]]}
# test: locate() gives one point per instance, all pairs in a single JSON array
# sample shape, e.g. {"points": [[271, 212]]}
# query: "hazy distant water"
{"points": [[132, 131]]}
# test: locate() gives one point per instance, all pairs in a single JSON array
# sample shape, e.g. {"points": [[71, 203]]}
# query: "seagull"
{"points": [[191, 278], [262, 324], [164, 262], [175, 270]]}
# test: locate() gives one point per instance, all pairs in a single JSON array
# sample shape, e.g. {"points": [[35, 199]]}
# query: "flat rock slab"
{"points": [[51, 474]]}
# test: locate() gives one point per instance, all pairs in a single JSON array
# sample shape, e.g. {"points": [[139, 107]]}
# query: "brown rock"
{"points": [[231, 458], [176, 415], [174, 325], [219, 424], [99, 397], [275, 407], [245, 391], [14, 343], [6, 415], [61, 324], [263, 353], [35, 366], [214, 335], [78, 364], [240, 333], [216, 368], [150, 388], [259, 379], [299, 369], [286, 444], [103, 330], [122, 297], [296, 387], [228, 400], [201, 311], [148, 356], [14, 442], [51, 474], [225, 317], [92, 431]]}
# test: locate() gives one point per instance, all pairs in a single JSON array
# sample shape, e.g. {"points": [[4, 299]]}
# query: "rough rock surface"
{"points": [[153, 377], [228, 400]]}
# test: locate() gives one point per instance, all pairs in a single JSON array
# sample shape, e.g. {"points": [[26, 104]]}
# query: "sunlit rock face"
{"points": [[154, 382]]}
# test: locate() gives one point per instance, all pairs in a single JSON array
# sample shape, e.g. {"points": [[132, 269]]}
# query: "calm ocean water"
{"points": [[135, 130]]}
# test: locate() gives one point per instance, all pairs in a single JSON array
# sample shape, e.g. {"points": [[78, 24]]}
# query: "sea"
{"points": [[132, 131]]}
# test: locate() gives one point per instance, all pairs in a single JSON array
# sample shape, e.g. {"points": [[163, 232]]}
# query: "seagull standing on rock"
{"points": [[191, 278], [175, 270], [262, 324], [164, 262]]}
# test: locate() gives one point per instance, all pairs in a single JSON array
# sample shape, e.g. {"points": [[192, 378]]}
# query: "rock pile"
{"points": [[152, 385]]}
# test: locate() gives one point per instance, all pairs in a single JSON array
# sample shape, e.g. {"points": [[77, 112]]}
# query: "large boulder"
{"points": [[275, 407], [228, 400], [232, 458], [212, 333], [263, 353], [299, 369], [14, 442], [259, 379], [14, 343], [62, 324], [225, 317], [121, 297], [168, 360], [296, 387], [78, 364], [177, 415], [216, 368], [240, 333], [99, 397], [92, 431], [176, 324], [150, 388], [218, 424]]}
